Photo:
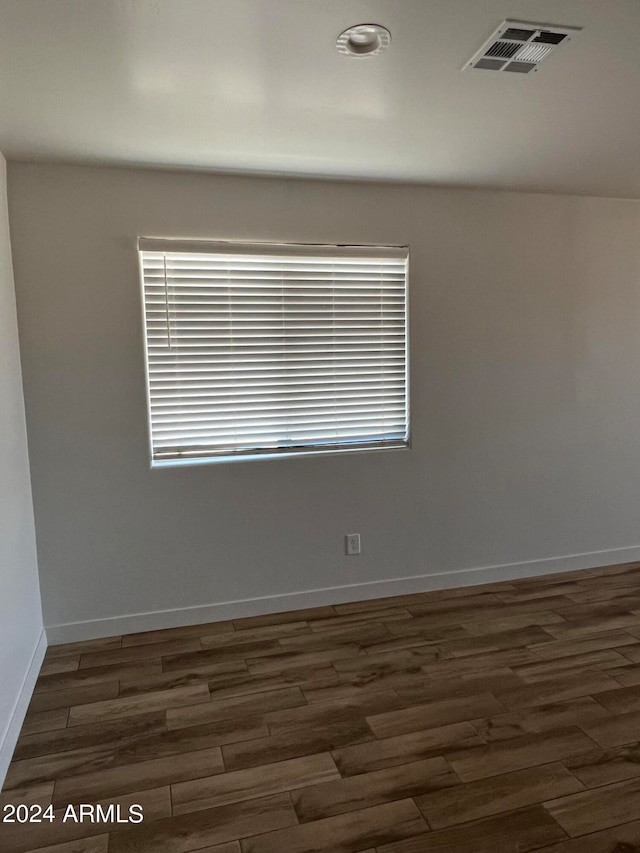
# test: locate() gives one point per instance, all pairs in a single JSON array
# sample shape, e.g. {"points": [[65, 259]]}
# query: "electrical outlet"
{"points": [[352, 542]]}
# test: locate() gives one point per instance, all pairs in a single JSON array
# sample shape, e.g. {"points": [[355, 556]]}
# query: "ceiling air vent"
{"points": [[519, 47]]}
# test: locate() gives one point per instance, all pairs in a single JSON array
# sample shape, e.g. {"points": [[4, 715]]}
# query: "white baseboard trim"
{"points": [[152, 621], [12, 732]]}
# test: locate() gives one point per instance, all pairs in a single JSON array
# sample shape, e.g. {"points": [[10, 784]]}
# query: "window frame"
{"points": [[202, 246]]}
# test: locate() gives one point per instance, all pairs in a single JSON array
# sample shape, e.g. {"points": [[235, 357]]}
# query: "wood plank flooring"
{"points": [[488, 719]]}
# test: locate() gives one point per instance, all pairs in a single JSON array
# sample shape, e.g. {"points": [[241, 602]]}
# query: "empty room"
{"points": [[320, 420]]}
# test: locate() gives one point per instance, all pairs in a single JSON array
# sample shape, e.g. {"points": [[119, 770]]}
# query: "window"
{"points": [[264, 350]]}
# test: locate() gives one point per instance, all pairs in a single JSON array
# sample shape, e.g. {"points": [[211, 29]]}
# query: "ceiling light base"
{"points": [[363, 40]]}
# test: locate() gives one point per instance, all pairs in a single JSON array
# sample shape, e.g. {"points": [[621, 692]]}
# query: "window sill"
{"points": [[261, 457]]}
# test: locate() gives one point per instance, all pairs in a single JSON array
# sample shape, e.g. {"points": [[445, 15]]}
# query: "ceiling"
{"points": [[258, 86]]}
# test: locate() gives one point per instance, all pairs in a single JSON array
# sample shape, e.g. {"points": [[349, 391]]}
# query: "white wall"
{"points": [[525, 372], [22, 641]]}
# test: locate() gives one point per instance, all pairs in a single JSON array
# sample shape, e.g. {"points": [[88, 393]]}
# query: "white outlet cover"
{"points": [[352, 542]]}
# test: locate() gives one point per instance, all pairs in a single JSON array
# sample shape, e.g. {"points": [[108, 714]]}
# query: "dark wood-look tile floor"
{"points": [[489, 719]]}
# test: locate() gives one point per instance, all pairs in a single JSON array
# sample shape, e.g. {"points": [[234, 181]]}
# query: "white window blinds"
{"points": [[270, 349]]}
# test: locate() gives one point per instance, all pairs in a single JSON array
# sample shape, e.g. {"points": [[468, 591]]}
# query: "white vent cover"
{"points": [[520, 47]]}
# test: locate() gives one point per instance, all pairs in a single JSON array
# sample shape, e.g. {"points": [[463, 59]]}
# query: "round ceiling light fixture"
{"points": [[364, 40]]}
